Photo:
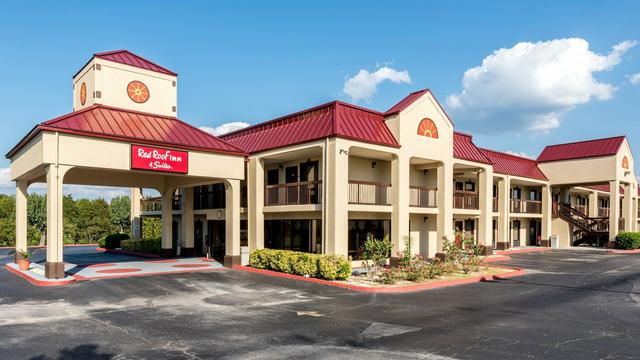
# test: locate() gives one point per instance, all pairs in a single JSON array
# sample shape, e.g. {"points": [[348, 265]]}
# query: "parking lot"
{"points": [[571, 305]]}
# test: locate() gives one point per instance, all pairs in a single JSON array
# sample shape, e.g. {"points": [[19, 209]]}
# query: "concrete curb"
{"points": [[388, 290], [522, 251], [37, 282], [622, 252], [497, 258]]}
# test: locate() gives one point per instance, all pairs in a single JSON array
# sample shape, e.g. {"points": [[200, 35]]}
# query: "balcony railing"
{"points": [[155, 203], [582, 208], [465, 200], [603, 212], [526, 206], [369, 193], [422, 197], [299, 193]]}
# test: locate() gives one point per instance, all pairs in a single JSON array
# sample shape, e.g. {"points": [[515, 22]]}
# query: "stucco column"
{"points": [[54, 266], [336, 188], [21, 217], [232, 225], [445, 203], [504, 199], [547, 203], [614, 205], [485, 203], [400, 205], [136, 221], [187, 228], [167, 223], [627, 208], [593, 203], [255, 203]]}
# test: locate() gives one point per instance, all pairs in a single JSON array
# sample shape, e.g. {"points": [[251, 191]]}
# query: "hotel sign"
{"points": [[157, 159]]}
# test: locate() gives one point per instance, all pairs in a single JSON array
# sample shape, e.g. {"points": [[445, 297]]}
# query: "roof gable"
{"points": [[128, 58], [582, 149], [334, 119], [406, 102], [465, 149], [514, 165], [126, 125]]}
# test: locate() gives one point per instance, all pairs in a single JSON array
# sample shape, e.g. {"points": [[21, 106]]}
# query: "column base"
{"points": [[502, 245], [54, 270], [486, 250], [230, 260], [611, 244], [168, 253], [545, 243], [187, 251]]}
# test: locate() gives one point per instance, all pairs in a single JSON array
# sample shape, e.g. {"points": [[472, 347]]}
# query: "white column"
{"points": [[136, 221], [54, 266], [21, 217], [614, 211], [627, 208], [232, 226], [255, 203], [167, 222], [400, 204], [445, 204], [187, 228], [547, 203], [504, 200], [336, 189], [593, 203], [485, 202]]}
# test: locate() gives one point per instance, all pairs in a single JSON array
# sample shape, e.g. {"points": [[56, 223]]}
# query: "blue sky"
{"points": [[252, 61]]}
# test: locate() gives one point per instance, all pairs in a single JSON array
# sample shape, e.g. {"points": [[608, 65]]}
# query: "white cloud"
{"points": [[225, 128], [364, 84], [519, 153], [635, 78], [531, 85], [5, 177]]}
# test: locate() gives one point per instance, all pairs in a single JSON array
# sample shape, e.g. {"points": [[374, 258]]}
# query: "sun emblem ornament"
{"points": [[83, 94], [138, 92], [428, 128], [625, 163]]}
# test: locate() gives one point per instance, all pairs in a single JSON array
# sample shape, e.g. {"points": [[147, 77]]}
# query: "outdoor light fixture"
{"points": [[424, 172], [425, 219], [373, 164]]}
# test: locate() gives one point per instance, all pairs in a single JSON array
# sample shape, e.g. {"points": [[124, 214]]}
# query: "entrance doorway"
{"points": [[198, 238], [535, 229], [216, 238]]}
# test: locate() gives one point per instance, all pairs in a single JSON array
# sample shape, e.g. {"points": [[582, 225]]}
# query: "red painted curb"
{"points": [[497, 258], [84, 278], [521, 251], [127, 252], [622, 252], [391, 290], [35, 282]]}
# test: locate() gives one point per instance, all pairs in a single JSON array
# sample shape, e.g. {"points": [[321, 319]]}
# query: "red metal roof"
{"points": [[334, 119], [464, 148], [605, 188], [582, 149], [404, 103], [514, 165], [128, 58], [131, 126]]}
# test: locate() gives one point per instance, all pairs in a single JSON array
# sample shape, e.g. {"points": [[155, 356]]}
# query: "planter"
{"points": [[23, 264]]}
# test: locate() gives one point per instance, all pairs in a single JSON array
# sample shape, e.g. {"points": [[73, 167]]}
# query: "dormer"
{"points": [[125, 80]]}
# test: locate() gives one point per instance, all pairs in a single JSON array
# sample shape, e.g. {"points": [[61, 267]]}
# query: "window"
{"points": [[516, 193], [209, 197], [273, 177], [296, 235], [361, 230], [291, 174], [470, 186], [459, 186]]}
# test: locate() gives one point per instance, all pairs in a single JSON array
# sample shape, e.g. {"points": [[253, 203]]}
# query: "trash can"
{"points": [[554, 241], [244, 255]]}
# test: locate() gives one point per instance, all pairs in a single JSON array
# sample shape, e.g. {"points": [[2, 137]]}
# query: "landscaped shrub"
{"points": [[330, 267], [628, 240], [102, 242], [147, 246], [112, 241]]}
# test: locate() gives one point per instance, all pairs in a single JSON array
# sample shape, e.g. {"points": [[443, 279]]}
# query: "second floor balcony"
{"points": [[519, 206], [155, 203], [297, 193], [369, 193], [423, 197], [466, 200]]}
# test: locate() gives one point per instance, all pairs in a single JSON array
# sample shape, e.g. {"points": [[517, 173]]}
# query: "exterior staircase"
{"points": [[591, 231]]}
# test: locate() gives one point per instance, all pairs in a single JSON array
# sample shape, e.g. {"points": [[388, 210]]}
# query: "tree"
{"points": [[7, 220], [37, 214], [120, 209], [93, 220]]}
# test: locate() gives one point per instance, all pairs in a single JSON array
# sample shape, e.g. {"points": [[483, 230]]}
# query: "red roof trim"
{"points": [[465, 149], [131, 60], [582, 149], [410, 99], [513, 168]]}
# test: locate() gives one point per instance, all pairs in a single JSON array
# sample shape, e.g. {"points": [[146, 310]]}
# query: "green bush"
{"points": [[628, 240], [147, 246], [112, 241], [102, 242], [330, 267]]}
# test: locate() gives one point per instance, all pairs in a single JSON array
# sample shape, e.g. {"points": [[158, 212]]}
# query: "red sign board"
{"points": [[157, 159]]}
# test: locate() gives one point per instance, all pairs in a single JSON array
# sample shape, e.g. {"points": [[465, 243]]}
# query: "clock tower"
{"points": [[125, 80]]}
